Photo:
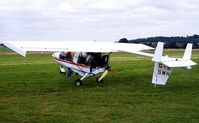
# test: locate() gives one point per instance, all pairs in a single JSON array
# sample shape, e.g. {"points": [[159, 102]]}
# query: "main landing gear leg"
{"points": [[100, 79], [78, 82]]}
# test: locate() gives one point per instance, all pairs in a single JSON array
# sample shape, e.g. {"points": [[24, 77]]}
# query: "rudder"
{"points": [[161, 73]]}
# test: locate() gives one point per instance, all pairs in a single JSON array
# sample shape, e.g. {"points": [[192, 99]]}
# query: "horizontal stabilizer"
{"points": [[187, 63]]}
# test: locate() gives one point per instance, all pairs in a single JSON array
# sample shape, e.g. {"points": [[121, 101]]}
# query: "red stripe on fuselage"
{"points": [[70, 62]]}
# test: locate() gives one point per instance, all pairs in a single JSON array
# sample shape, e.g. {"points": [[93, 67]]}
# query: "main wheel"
{"points": [[78, 82], [97, 80]]}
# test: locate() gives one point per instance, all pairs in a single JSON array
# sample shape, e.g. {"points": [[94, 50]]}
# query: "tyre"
{"points": [[62, 72], [78, 82]]}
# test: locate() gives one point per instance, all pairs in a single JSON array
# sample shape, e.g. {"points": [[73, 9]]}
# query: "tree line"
{"points": [[170, 42]]}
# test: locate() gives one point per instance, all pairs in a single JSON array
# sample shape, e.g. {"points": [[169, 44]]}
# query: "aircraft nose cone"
{"points": [[56, 55]]}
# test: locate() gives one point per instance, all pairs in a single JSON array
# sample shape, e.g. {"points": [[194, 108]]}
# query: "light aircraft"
{"points": [[92, 58]]}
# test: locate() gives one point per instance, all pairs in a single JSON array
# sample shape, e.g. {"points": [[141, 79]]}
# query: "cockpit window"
{"points": [[66, 56], [62, 55]]}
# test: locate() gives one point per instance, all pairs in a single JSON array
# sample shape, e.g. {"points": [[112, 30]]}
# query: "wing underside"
{"points": [[22, 47]]}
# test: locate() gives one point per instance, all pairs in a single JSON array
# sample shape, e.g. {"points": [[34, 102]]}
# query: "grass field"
{"points": [[32, 90]]}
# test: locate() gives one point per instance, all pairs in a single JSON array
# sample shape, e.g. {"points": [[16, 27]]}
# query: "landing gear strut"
{"points": [[98, 80], [78, 82]]}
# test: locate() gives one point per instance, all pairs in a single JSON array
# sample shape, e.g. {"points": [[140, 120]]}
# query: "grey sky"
{"points": [[106, 20]]}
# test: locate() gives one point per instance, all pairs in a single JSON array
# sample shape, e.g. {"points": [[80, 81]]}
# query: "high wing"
{"points": [[22, 47]]}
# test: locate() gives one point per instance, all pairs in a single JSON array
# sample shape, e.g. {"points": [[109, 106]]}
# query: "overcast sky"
{"points": [[101, 20]]}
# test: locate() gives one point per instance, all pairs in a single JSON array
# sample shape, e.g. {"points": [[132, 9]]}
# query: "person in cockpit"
{"points": [[66, 56]]}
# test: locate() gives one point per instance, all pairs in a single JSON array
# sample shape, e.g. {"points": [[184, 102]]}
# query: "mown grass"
{"points": [[32, 90], [4, 49]]}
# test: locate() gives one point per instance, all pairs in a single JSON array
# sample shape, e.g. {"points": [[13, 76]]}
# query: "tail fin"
{"points": [[188, 52], [158, 52], [164, 64]]}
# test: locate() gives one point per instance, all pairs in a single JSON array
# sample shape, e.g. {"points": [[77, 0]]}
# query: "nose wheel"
{"points": [[78, 82]]}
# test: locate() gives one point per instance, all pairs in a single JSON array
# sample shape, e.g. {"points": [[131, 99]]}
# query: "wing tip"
{"points": [[15, 48]]}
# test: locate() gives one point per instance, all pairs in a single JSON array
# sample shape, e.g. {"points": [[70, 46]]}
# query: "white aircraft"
{"points": [[92, 58]]}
